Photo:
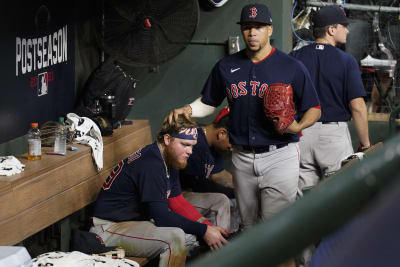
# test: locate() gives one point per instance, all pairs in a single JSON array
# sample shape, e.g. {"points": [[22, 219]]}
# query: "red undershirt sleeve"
{"points": [[183, 207]]}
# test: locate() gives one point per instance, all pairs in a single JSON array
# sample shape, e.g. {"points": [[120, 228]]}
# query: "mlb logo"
{"points": [[320, 47], [43, 84]]}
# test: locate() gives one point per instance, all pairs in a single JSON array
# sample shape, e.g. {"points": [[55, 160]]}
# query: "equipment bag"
{"points": [[114, 89]]}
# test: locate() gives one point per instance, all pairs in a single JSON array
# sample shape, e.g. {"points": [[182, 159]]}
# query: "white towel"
{"points": [[87, 133], [10, 165], [357, 155], [78, 259]]}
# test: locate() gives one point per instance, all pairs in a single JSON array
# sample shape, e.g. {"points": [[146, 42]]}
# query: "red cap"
{"points": [[147, 23], [221, 114]]}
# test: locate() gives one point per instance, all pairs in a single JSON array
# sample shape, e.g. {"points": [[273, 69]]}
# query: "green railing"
{"points": [[317, 214], [392, 121]]}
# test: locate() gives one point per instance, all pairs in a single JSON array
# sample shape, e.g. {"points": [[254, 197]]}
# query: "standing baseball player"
{"points": [[337, 79], [141, 207], [265, 162]]}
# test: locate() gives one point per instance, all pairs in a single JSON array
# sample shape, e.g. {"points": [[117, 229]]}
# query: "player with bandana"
{"points": [[141, 207]]}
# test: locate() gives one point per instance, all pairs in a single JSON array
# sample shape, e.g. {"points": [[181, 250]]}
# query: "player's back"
{"points": [[336, 76]]}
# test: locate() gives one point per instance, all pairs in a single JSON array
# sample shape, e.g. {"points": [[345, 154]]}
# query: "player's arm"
{"points": [[163, 217], [196, 109], [223, 178], [311, 116], [184, 208], [360, 116], [213, 235], [309, 101]]}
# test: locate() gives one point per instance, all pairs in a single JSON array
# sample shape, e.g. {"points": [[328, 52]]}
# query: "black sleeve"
{"points": [[163, 217]]}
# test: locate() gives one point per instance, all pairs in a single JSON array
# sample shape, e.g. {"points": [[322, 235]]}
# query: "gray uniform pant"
{"points": [[144, 239], [213, 206], [322, 147], [265, 183]]}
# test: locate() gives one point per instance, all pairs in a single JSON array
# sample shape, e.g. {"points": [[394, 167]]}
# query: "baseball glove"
{"points": [[278, 105]]}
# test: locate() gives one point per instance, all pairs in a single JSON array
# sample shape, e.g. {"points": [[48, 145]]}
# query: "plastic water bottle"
{"points": [[34, 142], [60, 142]]}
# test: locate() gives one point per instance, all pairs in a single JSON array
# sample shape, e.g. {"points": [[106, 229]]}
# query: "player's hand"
{"points": [[293, 128], [223, 178], [214, 237], [186, 111]]}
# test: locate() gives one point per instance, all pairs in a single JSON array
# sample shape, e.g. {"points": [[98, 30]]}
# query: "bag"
{"points": [[114, 88]]}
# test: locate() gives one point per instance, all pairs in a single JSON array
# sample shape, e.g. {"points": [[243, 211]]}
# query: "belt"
{"points": [[263, 149], [330, 122]]}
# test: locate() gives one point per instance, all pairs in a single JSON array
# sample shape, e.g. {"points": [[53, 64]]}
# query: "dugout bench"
{"points": [[51, 189]]}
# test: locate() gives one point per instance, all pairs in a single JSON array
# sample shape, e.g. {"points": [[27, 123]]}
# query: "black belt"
{"points": [[262, 149], [330, 122]]}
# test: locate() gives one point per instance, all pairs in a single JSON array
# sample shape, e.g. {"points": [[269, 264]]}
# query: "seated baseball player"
{"points": [[205, 170], [141, 207]]}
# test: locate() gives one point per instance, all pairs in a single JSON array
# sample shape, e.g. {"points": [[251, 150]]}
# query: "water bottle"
{"points": [[34, 142], [60, 142]]}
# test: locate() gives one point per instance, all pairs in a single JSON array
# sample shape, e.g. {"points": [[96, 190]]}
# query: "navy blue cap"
{"points": [[255, 13], [330, 15]]}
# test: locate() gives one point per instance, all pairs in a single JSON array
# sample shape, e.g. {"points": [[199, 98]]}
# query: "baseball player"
{"points": [[141, 207], [205, 170], [337, 79], [265, 163]]}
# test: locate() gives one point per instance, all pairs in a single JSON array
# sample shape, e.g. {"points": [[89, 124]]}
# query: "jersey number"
{"points": [[110, 179]]}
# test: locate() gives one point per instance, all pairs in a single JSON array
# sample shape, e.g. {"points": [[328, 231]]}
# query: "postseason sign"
{"points": [[37, 51]]}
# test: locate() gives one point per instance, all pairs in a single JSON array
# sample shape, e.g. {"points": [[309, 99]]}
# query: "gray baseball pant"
{"points": [[265, 183], [144, 239], [322, 147]]}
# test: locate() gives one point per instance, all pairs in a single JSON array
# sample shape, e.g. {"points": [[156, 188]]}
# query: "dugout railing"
{"points": [[394, 121], [318, 213]]}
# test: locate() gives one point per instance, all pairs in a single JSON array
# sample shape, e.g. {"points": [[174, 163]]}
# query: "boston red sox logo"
{"points": [[190, 132], [253, 13]]}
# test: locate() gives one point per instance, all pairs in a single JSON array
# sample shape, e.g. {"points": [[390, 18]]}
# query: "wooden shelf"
{"points": [[56, 186]]}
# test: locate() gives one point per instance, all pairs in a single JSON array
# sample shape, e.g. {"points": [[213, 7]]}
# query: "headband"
{"points": [[188, 134]]}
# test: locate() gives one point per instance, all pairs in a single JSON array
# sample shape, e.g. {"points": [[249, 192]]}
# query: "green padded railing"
{"points": [[392, 121], [315, 215]]}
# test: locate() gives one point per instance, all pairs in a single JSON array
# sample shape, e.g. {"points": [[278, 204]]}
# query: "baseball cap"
{"points": [[88, 243], [224, 112], [329, 15], [255, 13]]}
